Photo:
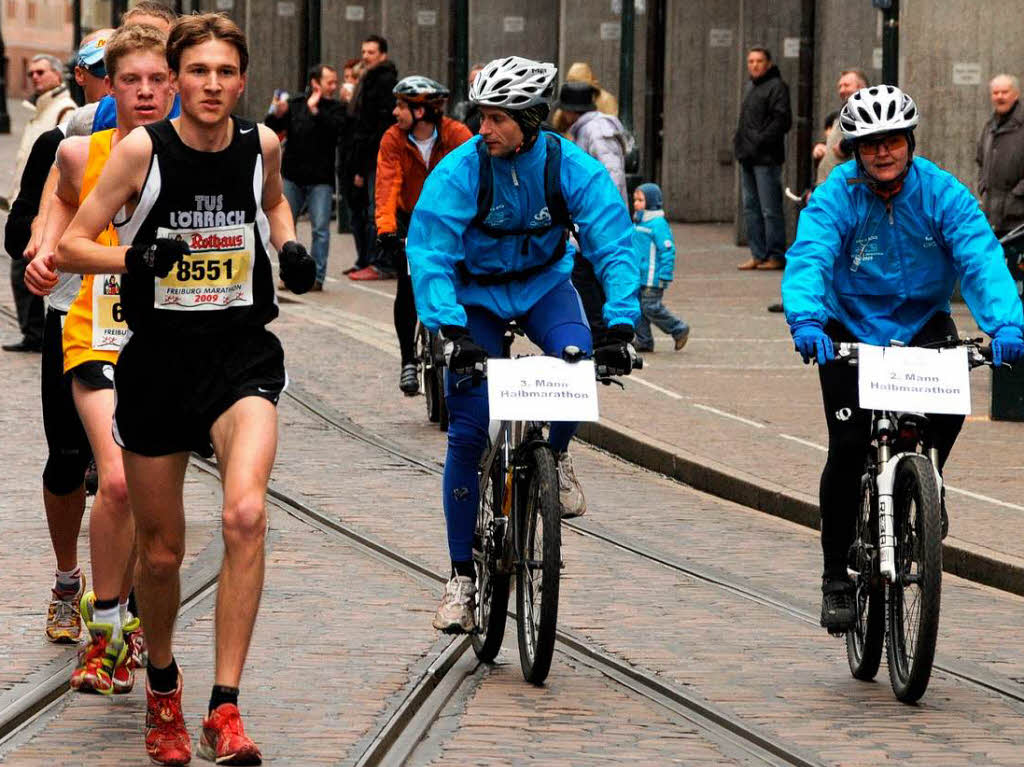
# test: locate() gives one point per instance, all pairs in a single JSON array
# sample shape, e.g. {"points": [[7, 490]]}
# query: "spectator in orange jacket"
{"points": [[410, 149]]}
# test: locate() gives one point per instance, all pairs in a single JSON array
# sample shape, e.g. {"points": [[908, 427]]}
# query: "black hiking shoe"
{"points": [[838, 606]]}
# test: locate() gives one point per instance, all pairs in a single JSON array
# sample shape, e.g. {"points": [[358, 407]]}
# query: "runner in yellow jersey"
{"points": [[93, 333]]}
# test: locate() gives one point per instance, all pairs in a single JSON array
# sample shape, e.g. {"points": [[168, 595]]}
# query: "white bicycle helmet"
{"points": [[875, 110], [513, 83]]}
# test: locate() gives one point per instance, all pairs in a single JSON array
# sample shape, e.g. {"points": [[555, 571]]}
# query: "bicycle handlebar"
{"points": [[978, 354]]}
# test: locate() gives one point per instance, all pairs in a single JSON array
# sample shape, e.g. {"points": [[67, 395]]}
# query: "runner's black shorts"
{"points": [[171, 389], [95, 374], [66, 441]]}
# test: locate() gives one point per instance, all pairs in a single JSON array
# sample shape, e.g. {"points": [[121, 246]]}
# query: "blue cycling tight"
{"points": [[556, 321]]}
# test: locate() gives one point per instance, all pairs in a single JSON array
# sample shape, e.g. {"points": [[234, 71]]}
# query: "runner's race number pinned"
{"points": [[914, 379], [541, 389]]}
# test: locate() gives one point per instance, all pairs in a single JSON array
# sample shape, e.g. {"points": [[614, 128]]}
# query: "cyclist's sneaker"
{"points": [[569, 491], [455, 615], [681, 339], [838, 606], [136, 642], [409, 382], [166, 737], [222, 738], [64, 618]]}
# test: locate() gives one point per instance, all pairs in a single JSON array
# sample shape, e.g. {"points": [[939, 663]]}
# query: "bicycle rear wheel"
{"points": [[492, 585], [913, 600], [539, 565], [428, 381], [865, 640]]}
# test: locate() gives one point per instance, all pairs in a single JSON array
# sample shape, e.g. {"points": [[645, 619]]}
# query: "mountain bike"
{"points": [[895, 561], [518, 533]]}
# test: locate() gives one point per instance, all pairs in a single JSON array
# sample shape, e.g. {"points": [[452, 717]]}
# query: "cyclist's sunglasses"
{"points": [[892, 144]]}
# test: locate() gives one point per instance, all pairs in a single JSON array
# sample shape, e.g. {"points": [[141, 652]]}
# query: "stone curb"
{"points": [[959, 558]]}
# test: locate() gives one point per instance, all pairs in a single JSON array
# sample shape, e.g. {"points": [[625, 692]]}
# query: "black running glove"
{"points": [[391, 247], [615, 354], [298, 269], [155, 259], [461, 353]]}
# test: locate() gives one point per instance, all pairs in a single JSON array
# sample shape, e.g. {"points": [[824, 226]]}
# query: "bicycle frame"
{"points": [[507, 438]]}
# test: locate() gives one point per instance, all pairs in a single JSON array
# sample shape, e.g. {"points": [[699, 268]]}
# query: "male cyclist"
{"points": [[480, 260], [877, 252], [410, 149]]}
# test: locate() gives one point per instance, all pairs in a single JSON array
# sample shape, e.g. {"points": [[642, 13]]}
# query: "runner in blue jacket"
{"points": [[878, 250], [487, 244]]}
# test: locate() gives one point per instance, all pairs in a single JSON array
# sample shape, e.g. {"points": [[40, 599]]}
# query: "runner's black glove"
{"points": [[155, 259], [391, 248], [615, 354], [298, 269], [461, 353]]}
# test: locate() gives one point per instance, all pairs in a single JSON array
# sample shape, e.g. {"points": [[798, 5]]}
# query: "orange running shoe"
{"points": [[222, 738], [104, 661], [166, 737]]}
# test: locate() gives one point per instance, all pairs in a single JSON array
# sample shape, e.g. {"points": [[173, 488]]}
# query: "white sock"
{"points": [[111, 615], [68, 580]]}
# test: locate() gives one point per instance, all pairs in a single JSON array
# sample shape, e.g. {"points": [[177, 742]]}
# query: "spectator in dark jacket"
{"points": [[760, 146], [1001, 157], [313, 122], [372, 107]]}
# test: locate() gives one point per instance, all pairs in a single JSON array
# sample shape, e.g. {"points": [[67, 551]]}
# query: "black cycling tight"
{"points": [[405, 312], [849, 434]]}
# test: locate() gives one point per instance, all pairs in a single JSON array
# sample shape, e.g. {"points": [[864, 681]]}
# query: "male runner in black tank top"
{"points": [[204, 202]]}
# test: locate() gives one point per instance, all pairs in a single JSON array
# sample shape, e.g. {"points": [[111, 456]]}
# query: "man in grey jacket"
{"points": [[1001, 157], [599, 135]]}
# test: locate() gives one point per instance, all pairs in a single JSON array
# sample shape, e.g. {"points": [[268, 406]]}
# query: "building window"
{"points": [[12, 9], [31, 16]]}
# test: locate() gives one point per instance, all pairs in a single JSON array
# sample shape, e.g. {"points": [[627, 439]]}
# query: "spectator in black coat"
{"points": [[760, 146], [372, 107], [313, 122]]}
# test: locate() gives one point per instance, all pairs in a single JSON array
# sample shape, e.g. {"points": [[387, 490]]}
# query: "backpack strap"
{"points": [[553, 196]]}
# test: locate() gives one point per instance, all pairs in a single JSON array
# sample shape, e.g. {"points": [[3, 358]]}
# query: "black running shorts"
{"points": [[94, 374], [171, 389]]}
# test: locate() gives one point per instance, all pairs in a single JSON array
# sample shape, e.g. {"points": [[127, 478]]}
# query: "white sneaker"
{"points": [[455, 615], [569, 491]]}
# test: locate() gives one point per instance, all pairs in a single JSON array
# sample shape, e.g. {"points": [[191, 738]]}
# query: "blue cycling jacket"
{"points": [[654, 247], [441, 235], [883, 269]]}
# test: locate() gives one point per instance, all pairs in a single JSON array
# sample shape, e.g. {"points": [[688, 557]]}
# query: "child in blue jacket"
{"points": [[656, 256]]}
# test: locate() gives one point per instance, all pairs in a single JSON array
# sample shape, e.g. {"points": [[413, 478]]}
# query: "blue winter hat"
{"points": [[652, 194]]}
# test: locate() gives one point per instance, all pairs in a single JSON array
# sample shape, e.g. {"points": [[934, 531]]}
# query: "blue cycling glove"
{"points": [[810, 340], [1007, 345]]}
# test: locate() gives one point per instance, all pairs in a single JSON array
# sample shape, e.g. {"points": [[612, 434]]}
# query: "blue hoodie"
{"points": [[653, 245], [883, 270], [441, 235]]}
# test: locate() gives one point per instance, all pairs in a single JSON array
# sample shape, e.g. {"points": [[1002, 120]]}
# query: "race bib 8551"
{"points": [[216, 274]]}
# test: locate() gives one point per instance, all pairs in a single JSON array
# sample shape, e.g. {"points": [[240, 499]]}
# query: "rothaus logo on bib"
{"points": [[217, 274]]}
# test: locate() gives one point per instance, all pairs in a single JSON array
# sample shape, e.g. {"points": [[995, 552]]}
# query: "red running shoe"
{"points": [[166, 737], [222, 738]]}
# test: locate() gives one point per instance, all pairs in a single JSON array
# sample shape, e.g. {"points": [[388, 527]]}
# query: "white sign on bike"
{"points": [[914, 379], [541, 389]]}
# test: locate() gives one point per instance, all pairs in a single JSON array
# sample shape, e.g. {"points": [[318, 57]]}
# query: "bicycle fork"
{"points": [[885, 481]]}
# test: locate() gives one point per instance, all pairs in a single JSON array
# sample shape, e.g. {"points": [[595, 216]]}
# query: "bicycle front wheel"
{"points": [[539, 565], [913, 600], [492, 584], [865, 640]]}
